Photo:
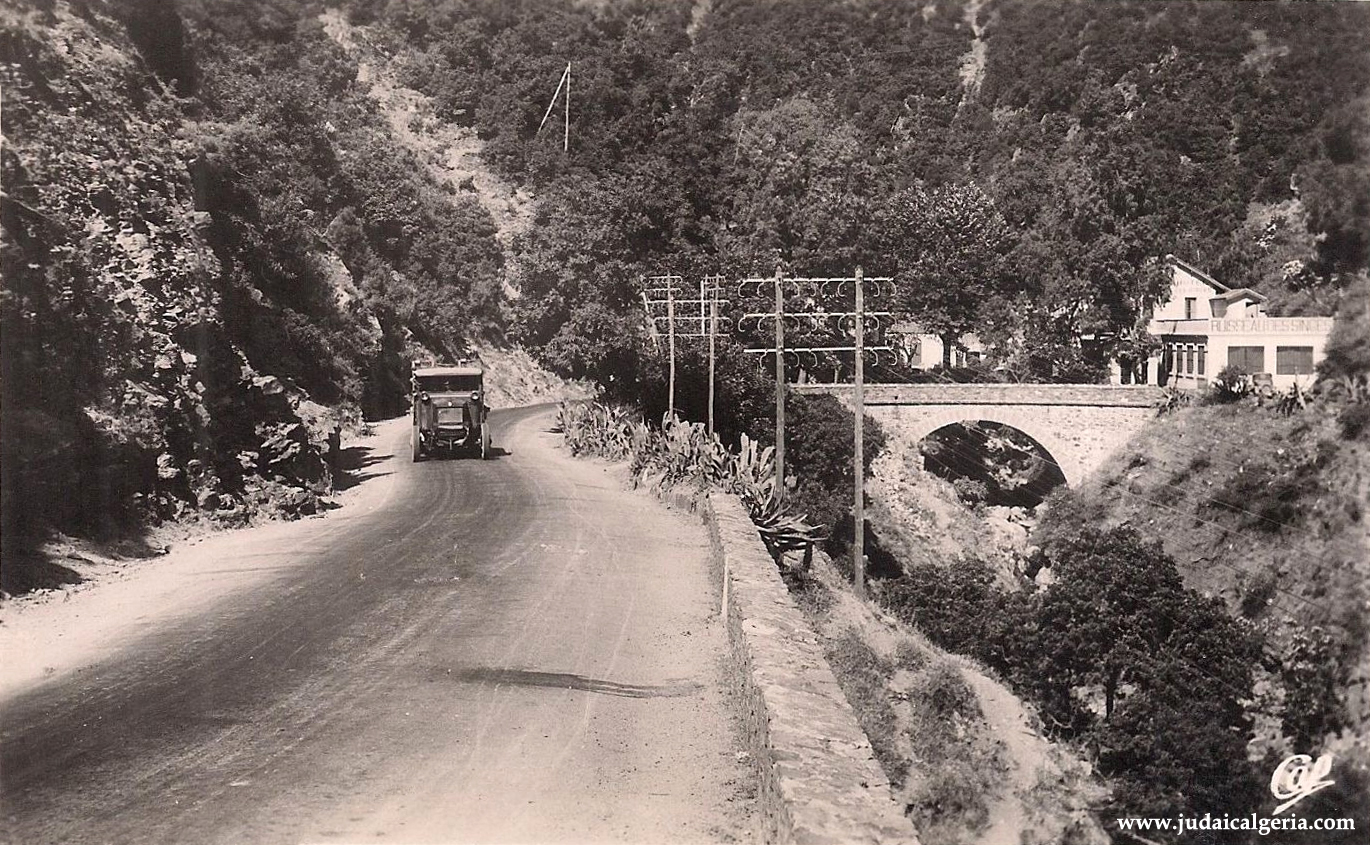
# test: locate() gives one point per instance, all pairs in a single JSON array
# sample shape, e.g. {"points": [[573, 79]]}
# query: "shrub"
{"points": [[1354, 420], [1257, 594], [950, 604], [954, 793], [1231, 384], [1264, 497], [1312, 669], [1174, 400], [970, 490], [861, 674], [942, 693]]}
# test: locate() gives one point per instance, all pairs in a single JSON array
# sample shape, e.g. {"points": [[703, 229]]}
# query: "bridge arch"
{"points": [[913, 425], [1015, 468], [1079, 425]]}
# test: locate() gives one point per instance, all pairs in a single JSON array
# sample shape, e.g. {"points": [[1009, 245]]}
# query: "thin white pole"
{"points": [[670, 319], [560, 82], [779, 384], [566, 136], [858, 401], [713, 332]]}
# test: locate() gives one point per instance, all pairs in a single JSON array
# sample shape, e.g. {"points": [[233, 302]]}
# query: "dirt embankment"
{"points": [[965, 755]]}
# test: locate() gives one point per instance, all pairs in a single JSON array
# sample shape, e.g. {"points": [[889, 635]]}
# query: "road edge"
{"points": [[819, 779]]}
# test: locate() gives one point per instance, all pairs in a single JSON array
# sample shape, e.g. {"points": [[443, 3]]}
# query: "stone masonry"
{"points": [[1079, 425], [820, 781]]}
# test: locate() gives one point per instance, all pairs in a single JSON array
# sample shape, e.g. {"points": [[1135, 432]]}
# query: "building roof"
{"points": [[1242, 293], [1199, 274], [463, 370]]}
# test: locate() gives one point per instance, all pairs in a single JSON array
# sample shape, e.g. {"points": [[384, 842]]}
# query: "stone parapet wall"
{"points": [[1091, 395], [1079, 425], [819, 779]]}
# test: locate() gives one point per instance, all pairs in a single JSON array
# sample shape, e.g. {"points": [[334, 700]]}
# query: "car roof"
{"points": [[421, 372]]}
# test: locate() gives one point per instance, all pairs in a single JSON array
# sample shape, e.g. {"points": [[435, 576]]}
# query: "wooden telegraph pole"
{"points": [[670, 320], [859, 401], [816, 287], [713, 333], [779, 384], [701, 325]]}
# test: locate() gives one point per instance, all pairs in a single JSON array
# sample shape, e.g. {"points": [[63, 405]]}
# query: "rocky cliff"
{"points": [[215, 254]]}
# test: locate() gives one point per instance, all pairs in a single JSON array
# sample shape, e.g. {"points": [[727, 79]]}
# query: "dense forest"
{"points": [[1022, 166]]}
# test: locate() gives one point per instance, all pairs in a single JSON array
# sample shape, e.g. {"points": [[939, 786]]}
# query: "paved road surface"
{"points": [[510, 650]]}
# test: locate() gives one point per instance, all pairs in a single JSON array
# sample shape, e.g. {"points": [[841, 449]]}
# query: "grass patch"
{"points": [[960, 766], [863, 676]]}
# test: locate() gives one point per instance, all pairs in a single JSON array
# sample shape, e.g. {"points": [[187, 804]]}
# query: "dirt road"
{"points": [[516, 650]]}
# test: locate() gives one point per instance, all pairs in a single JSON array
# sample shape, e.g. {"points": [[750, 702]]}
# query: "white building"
{"points": [[922, 350], [1205, 326]]}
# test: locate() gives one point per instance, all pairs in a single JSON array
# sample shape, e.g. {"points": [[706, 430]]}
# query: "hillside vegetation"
{"points": [[1021, 166], [229, 224], [216, 251]]}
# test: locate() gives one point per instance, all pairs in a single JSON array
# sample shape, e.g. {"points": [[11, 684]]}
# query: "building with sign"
{"points": [[1205, 326]]}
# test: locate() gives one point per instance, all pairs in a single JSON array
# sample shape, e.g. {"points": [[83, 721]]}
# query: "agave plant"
{"points": [[684, 449], [715, 460], [681, 451], [754, 481]]}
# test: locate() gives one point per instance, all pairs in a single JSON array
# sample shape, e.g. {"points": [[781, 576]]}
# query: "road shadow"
{"points": [[495, 453], [566, 680], [349, 469], [31, 569]]}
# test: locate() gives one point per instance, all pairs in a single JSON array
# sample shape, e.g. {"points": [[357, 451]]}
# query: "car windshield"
{"points": [[449, 384]]}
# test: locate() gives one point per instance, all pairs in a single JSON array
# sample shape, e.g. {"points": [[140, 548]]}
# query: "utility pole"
{"points": [[779, 383], [712, 289], [670, 320], [660, 292], [564, 82], [820, 291], [859, 409]]}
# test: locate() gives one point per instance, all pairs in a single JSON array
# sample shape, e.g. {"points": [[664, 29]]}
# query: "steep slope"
{"points": [[451, 153], [966, 757], [126, 395], [218, 249], [1268, 512]]}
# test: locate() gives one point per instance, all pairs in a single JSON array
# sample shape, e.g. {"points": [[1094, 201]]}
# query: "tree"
{"points": [[599, 344], [947, 245], [801, 189], [1153, 675]]}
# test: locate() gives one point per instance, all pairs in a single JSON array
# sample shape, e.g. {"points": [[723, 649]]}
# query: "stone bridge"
{"points": [[1079, 425]]}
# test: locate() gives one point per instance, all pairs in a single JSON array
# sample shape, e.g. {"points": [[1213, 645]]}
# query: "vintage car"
{"points": [[449, 411]]}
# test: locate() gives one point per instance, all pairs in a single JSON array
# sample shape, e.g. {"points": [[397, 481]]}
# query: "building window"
{"points": [[1203, 355], [1189, 360], [1189, 307], [1250, 359], [1294, 360]]}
